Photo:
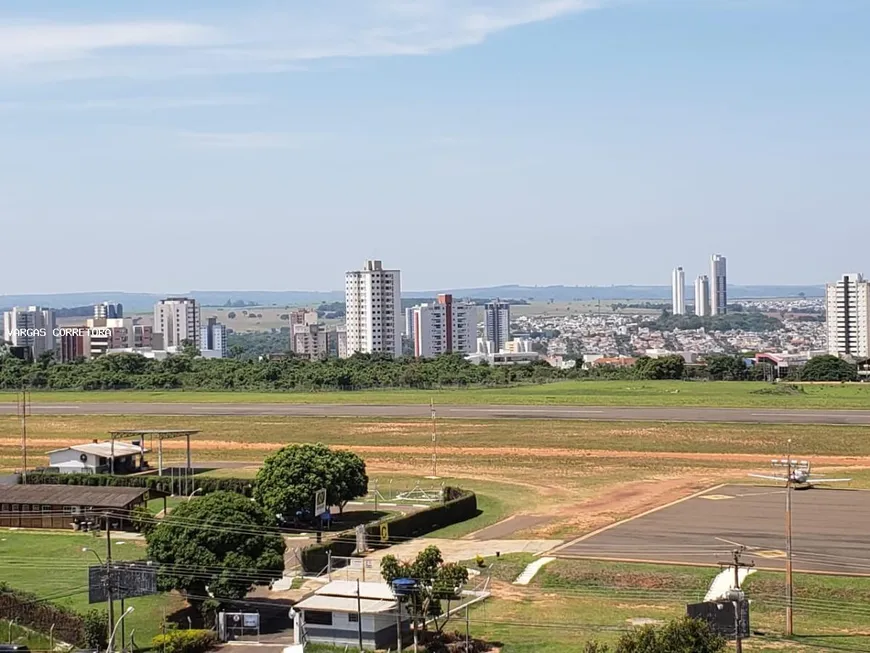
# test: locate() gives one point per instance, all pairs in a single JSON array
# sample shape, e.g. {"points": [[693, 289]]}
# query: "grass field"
{"points": [[579, 393], [583, 474], [51, 564], [570, 602]]}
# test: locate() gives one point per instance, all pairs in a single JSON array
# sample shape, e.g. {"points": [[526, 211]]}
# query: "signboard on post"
{"points": [[320, 502], [128, 580], [385, 532]]}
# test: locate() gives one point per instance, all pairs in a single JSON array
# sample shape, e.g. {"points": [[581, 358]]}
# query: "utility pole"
{"points": [[467, 632], [434, 440], [789, 588], [359, 616], [23, 414], [109, 580], [737, 595]]}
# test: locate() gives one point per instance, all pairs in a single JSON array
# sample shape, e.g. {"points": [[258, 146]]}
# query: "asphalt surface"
{"points": [[603, 413], [831, 529]]}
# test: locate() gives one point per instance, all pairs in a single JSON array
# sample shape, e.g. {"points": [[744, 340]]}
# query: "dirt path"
{"points": [[199, 446]]}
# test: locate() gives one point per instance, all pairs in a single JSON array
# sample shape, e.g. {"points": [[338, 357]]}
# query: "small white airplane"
{"points": [[801, 477]]}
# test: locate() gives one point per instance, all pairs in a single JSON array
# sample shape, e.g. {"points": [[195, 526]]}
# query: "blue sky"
{"points": [[166, 146]]}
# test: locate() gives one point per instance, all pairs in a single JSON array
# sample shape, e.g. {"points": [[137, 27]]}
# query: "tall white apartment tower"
{"points": [[373, 297], [497, 324], [176, 320], [678, 292], [848, 316], [702, 296], [444, 327], [718, 285]]}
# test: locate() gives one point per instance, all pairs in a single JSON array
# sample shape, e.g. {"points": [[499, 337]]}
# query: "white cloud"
{"points": [[246, 140], [262, 39]]}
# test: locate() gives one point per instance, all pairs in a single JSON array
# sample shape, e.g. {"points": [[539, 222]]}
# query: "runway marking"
{"points": [[534, 411], [773, 553], [643, 514], [716, 497], [738, 544]]}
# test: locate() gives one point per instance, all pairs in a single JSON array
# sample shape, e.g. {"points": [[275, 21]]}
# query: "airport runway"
{"points": [[602, 413], [831, 529]]}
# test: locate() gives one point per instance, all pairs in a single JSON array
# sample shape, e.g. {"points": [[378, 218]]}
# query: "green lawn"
{"points": [[52, 565], [11, 633], [570, 602], [581, 393]]}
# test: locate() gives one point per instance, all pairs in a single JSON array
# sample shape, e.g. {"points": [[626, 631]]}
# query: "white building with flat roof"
{"points": [[444, 327], [176, 321], [848, 316], [678, 292], [373, 298]]}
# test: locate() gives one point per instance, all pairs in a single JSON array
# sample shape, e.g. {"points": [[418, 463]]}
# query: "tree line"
{"points": [[187, 371]]}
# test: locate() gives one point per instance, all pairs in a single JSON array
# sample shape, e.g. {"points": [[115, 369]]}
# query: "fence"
{"points": [[29, 611]]}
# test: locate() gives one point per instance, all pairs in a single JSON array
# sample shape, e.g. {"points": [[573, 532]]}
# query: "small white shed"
{"points": [[96, 457], [334, 613]]}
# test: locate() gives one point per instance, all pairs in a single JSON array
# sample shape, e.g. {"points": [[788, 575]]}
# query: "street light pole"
{"points": [[789, 589], [112, 634]]}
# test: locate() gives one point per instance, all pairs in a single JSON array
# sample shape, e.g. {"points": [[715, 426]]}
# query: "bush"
{"points": [[185, 641], [206, 485], [96, 625]]}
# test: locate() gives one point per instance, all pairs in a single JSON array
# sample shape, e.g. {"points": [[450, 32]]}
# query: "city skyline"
{"points": [[639, 130]]}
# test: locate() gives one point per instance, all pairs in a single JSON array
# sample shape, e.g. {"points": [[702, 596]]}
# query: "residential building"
{"points": [[302, 318], [444, 327], [702, 296], [678, 292], [848, 316], [142, 335], [31, 327], [342, 611], [108, 333], [497, 323], [73, 343], [176, 321], [374, 310], [213, 339], [341, 341], [718, 286], [518, 346], [108, 310], [504, 358], [315, 341]]}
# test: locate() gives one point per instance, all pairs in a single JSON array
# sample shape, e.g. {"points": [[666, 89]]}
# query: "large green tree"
{"points": [[289, 479], [438, 583], [216, 548], [828, 368]]}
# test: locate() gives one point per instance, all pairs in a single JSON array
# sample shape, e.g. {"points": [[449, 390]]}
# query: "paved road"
{"points": [[831, 529], [605, 413]]}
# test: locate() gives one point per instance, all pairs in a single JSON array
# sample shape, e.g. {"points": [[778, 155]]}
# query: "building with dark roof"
{"points": [[69, 506]]}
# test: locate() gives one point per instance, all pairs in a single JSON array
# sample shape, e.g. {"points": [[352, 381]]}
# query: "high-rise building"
{"points": [[176, 321], [702, 296], [718, 286], [302, 318], [31, 327], [213, 339], [497, 324], [108, 310], [315, 341], [678, 292], [373, 299], [444, 327], [848, 316]]}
